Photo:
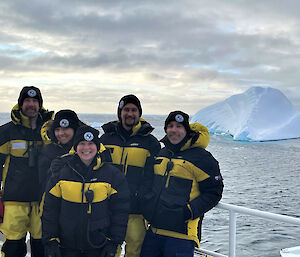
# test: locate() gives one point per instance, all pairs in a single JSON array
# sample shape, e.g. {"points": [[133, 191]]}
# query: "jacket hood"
{"points": [[18, 118], [45, 132], [142, 128], [199, 137]]}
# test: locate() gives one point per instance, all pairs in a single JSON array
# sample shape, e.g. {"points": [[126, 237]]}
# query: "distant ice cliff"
{"points": [[259, 114]]}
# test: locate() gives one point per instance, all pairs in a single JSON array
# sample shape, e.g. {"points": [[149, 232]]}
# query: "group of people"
{"points": [[79, 194]]}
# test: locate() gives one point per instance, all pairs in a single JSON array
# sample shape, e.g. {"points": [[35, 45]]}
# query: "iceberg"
{"points": [[258, 114], [96, 124]]}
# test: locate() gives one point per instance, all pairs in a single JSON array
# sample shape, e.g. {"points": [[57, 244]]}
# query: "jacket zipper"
{"points": [[121, 160], [82, 209], [168, 180], [168, 175]]}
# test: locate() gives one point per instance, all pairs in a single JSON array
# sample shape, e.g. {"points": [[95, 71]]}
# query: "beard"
{"points": [[30, 112], [130, 122]]}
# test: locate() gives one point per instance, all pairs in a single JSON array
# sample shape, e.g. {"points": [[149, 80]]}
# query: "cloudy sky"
{"points": [[86, 54]]}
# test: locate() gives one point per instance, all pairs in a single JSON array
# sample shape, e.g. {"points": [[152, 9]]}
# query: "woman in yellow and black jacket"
{"points": [[87, 202], [58, 137], [187, 184]]}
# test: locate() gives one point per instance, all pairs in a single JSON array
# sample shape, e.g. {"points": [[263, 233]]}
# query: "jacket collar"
{"points": [[142, 128], [198, 137], [18, 118], [102, 156]]}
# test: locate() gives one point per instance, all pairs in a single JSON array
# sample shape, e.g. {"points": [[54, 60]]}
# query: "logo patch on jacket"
{"points": [[217, 178], [19, 145]]}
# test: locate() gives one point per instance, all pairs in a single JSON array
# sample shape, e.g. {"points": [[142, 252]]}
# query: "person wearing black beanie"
{"points": [[66, 119], [177, 130], [86, 133], [180, 117], [86, 202], [60, 132], [133, 148], [129, 99], [64, 126], [187, 183], [20, 146], [30, 92]]}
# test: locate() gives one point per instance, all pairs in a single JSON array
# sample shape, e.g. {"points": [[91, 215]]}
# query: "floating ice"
{"points": [[259, 114], [96, 124]]}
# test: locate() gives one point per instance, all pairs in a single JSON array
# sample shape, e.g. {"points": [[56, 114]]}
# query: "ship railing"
{"points": [[233, 211]]}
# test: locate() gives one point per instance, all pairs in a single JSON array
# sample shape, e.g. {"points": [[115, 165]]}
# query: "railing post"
{"points": [[232, 234]]}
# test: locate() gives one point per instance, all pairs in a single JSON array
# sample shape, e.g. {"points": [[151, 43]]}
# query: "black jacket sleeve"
{"points": [[4, 149], [43, 166], [119, 204], [211, 189], [146, 185], [51, 209]]}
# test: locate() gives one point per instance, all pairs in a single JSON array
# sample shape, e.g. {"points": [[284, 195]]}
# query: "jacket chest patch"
{"points": [[19, 145]]}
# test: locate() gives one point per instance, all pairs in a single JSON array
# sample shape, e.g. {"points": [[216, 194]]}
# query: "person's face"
{"points": [[64, 135], [86, 151], [175, 132], [30, 107], [130, 116]]}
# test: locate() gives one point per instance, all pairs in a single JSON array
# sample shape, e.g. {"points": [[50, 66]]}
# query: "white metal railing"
{"points": [[233, 210]]}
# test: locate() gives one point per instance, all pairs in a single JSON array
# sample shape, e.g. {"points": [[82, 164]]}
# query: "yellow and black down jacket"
{"points": [[133, 153], [192, 180], [47, 155], [51, 150], [76, 221], [18, 142]]}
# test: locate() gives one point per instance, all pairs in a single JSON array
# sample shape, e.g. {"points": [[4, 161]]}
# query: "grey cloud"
{"points": [[234, 42]]}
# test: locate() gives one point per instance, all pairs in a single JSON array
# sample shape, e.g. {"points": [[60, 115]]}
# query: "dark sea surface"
{"points": [[257, 175]]}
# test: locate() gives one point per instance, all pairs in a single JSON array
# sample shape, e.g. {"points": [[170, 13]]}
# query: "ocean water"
{"points": [[257, 175]]}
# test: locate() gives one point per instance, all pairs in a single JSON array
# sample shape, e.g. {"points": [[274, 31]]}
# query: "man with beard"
{"points": [[132, 149], [20, 141]]}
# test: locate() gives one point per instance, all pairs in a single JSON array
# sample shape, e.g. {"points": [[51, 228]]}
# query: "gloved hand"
{"points": [[57, 164], [109, 249], [52, 249], [187, 214]]}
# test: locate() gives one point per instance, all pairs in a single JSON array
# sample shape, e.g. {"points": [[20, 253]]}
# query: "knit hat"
{"points": [[180, 117], [86, 133], [65, 119], [32, 92], [126, 100]]}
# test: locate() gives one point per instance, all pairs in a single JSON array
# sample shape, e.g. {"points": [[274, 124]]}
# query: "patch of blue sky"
{"points": [[231, 71], [212, 67], [227, 28], [200, 65], [18, 52], [256, 82]]}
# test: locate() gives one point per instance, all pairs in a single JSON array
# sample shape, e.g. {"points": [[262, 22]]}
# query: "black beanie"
{"points": [[86, 133], [32, 92], [132, 99], [65, 119], [180, 117]]}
